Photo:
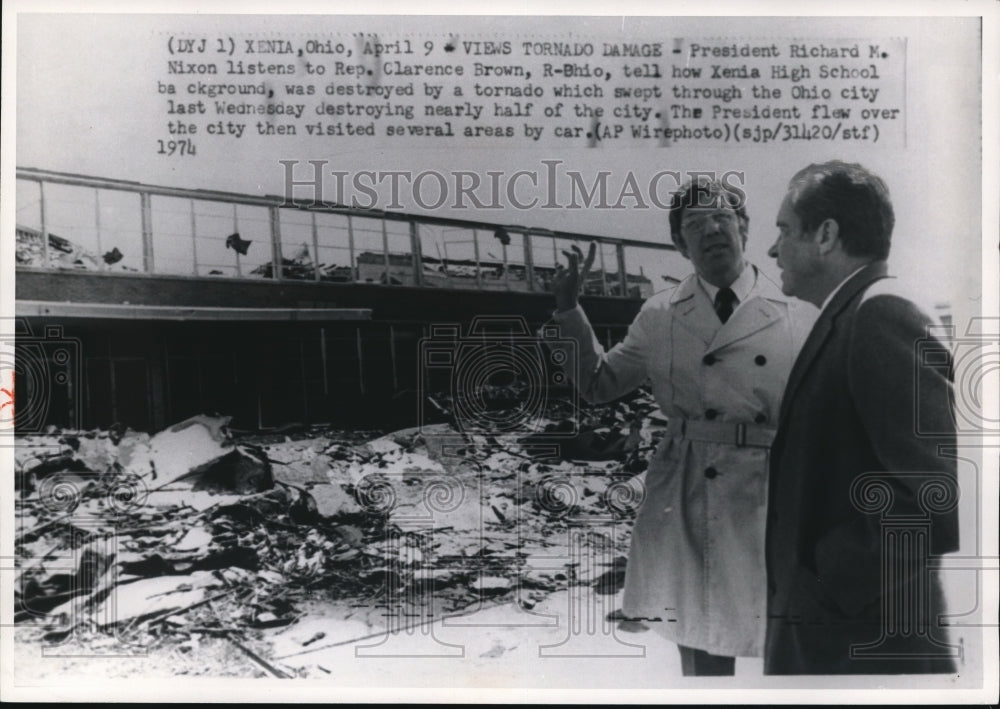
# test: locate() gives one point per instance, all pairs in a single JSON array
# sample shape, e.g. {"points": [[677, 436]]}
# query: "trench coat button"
{"points": [[709, 359], [710, 472], [760, 418], [711, 414], [761, 360]]}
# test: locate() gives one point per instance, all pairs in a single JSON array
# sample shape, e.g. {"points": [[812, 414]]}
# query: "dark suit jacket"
{"points": [[862, 491]]}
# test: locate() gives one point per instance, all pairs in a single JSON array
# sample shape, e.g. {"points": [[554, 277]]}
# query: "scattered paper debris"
{"points": [[219, 532]]}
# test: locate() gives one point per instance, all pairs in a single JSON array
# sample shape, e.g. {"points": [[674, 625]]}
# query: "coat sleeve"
{"points": [[905, 409], [603, 376]]}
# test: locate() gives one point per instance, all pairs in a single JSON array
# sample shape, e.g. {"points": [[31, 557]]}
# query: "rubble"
{"points": [[62, 253], [197, 531], [186, 447]]}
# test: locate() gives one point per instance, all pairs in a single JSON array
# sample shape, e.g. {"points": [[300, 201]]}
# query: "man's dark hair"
{"points": [[850, 195], [704, 193]]}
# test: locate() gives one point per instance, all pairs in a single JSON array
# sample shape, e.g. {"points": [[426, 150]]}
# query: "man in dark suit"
{"points": [[862, 489]]}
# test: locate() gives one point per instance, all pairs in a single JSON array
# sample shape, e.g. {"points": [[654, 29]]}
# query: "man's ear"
{"points": [[827, 236]]}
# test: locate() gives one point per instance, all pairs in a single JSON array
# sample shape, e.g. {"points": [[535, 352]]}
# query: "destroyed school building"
{"points": [[141, 305], [217, 538]]}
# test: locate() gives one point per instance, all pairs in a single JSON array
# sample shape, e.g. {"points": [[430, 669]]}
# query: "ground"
{"points": [[199, 553]]}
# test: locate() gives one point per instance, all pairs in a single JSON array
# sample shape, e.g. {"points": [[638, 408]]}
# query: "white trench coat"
{"points": [[697, 553]]}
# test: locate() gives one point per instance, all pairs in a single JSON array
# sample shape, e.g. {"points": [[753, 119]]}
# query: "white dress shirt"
{"points": [[741, 287]]}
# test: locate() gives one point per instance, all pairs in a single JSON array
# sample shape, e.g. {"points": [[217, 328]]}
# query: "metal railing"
{"points": [[167, 230]]}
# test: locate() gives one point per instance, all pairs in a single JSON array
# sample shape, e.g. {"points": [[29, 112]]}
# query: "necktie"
{"points": [[725, 300]]}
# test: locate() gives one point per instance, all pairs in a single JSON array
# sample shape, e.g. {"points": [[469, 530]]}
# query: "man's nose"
{"points": [[773, 251]]}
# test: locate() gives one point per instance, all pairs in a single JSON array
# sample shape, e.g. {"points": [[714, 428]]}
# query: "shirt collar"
{"points": [[742, 286], [839, 286]]}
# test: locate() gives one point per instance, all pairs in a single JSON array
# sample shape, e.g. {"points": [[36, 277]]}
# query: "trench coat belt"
{"points": [[736, 434]]}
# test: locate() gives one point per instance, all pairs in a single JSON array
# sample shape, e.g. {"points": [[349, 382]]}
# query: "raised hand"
{"points": [[570, 280]]}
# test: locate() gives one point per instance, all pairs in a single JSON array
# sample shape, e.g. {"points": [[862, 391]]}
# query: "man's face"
{"points": [[797, 253], [713, 242]]}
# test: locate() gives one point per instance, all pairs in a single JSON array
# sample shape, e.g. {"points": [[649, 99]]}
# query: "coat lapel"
{"points": [[694, 310], [754, 315], [821, 330]]}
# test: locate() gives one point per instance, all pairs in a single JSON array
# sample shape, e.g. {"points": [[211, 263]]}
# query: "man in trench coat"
{"points": [[717, 351], [862, 488]]}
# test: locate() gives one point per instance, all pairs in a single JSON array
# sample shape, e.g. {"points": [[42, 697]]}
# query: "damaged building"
{"points": [[177, 302], [273, 428]]}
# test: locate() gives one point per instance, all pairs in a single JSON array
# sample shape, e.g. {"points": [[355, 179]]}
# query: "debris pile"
{"points": [[63, 253], [194, 531]]}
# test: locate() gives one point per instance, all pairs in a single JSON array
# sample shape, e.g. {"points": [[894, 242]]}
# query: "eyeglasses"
{"points": [[698, 220]]}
